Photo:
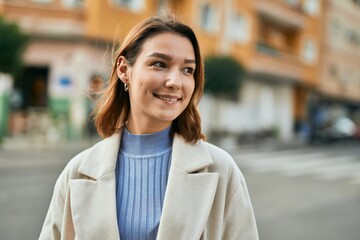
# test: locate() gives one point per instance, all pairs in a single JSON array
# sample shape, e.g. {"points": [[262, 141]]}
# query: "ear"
{"points": [[122, 69]]}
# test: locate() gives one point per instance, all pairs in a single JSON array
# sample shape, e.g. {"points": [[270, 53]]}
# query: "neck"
{"points": [[145, 127], [144, 144]]}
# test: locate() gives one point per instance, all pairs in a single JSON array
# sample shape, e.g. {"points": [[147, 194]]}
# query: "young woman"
{"points": [[153, 176]]}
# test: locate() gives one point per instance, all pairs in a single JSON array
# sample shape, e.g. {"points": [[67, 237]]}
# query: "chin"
{"points": [[168, 117]]}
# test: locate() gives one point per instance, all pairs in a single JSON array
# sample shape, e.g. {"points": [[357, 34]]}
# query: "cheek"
{"points": [[190, 87], [138, 84], [149, 80]]}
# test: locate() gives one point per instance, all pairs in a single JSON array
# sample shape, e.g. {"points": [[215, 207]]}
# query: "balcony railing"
{"points": [[287, 15], [267, 49], [47, 20], [271, 61], [286, 56]]}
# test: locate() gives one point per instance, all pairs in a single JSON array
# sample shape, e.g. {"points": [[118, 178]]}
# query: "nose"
{"points": [[174, 80]]}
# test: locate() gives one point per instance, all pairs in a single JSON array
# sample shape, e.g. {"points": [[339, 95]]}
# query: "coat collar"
{"points": [[101, 159], [190, 157]]}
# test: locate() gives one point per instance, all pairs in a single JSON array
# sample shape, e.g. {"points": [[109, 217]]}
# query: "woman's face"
{"points": [[161, 82]]}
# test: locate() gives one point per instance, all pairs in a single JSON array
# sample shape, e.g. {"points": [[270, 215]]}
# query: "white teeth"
{"points": [[168, 99]]}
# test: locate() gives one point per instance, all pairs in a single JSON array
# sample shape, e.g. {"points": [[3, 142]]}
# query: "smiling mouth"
{"points": [[167, 98]]}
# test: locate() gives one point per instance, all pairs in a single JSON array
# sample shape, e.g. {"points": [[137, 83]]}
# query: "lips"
{"points": [[169, 98]]}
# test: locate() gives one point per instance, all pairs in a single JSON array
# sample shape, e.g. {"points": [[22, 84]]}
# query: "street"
{"points": [[306, 193], [27, 178], [303, 193]]}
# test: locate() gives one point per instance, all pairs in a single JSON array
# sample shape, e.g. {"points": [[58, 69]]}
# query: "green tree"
{"points": [[12, 45], [223, 76]]}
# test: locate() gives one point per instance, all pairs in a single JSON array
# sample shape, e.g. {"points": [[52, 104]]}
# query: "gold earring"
{"points": [[126, 87]]}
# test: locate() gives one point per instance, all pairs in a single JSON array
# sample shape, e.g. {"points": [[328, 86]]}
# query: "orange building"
{"points": [[340, 75]]}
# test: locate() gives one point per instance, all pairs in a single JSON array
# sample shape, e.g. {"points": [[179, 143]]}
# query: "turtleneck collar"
{"points": [[145, 144]]}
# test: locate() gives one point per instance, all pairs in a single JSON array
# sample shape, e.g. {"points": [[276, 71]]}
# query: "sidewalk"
{"points": [[232, 146], [26, 143]]}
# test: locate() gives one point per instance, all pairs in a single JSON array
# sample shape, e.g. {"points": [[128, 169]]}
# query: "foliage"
{"points": [[223, 76], [12, 45]]}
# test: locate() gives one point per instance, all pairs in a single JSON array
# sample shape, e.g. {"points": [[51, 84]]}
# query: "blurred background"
{"points": [[282, 96]]}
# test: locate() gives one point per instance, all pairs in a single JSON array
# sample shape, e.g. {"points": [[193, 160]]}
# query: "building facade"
{"points": [[279, 42]]}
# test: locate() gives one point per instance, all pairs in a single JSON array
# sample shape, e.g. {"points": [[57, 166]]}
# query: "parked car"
{"points": [[342, 128]]}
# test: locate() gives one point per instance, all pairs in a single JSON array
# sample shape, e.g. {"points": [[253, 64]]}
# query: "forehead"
{"points": [[169, 43]]}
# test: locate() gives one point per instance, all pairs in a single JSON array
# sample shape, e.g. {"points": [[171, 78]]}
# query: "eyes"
{"points": [[189, 70], [162, 65], [159, 64]]}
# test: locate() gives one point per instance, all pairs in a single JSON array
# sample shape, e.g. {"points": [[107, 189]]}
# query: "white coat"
{"points": [[206, 196]]}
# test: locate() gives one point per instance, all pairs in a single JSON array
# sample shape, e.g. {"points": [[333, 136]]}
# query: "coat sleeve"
{"points": [[239, 219], [53, 222], [58, 222]]}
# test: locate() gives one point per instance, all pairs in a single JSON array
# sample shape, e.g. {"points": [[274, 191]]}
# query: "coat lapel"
{"points": [[188, 198], [93, 199], [190, 192]]}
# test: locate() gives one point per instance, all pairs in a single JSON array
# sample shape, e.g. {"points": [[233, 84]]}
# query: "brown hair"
{"points": [[113, 107]]}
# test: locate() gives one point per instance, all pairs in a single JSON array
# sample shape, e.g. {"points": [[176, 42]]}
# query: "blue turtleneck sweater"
{"points": [[141, 174]]}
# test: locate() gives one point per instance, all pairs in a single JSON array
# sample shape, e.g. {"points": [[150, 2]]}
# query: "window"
{"points": [[73, 3], [293, 3], [333, 70], [135, 5], [340, 33], [335, 29], [240, 28], [312, 7], [344, 79], [356, 2], [161, 6], [43, 1], [352, 37], [309, 53], [207, 21]]}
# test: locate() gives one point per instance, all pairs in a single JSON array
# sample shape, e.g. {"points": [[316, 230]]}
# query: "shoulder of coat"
{"points": [[218, 153], [221, 158]]}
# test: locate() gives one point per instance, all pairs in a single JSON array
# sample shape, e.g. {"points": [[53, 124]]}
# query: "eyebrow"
{"points": [[168, 57]]}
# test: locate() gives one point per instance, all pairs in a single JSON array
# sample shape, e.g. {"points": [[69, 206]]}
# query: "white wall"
{"points": [[262, 106], [75, 60]]}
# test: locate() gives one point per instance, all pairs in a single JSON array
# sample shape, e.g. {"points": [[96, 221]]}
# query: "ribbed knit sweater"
{"points": [[142, 172]]}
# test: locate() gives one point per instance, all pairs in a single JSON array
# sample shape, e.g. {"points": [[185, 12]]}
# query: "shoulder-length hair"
{"points": [[113, 107]]}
